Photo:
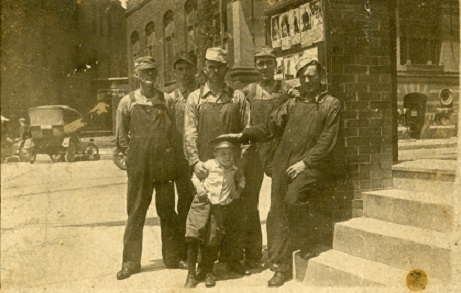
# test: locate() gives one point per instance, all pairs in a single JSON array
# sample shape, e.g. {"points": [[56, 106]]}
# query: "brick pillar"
{"points": [[361, 73]]}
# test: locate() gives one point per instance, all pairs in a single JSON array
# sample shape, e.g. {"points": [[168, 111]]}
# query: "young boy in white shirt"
{"points": [[208, 216]]}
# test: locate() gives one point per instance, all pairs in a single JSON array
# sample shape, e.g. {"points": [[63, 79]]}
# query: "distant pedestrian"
{"points": [[209, 216], [24, 129], [144, 133]]}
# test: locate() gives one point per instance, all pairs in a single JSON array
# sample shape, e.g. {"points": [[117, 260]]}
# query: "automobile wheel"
{"points": [[92, 152], [70, 152], [119, 158]]}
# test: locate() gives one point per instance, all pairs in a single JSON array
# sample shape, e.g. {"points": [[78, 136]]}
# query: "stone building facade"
{"points": [[427, 67], [60, 52], [163, 28]]}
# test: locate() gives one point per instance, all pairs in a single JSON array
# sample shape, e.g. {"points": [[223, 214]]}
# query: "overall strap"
{"points": [[132, 97], [201, 92]]}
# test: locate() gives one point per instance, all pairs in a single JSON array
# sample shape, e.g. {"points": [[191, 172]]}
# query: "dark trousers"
{"points": [[293, 220], [185, 191], [139, 197], [249, 222]]}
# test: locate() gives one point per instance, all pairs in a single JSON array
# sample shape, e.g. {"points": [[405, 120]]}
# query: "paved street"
{"points": [[62, 228]]}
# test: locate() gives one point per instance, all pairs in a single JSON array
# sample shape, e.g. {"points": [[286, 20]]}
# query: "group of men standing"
{"points": [[165, 137]]}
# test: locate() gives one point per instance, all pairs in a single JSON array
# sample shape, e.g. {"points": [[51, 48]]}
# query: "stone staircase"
{"points": [[402, 229]]}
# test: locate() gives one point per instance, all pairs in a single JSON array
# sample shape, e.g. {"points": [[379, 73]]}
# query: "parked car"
{"points": [[55, 132]]}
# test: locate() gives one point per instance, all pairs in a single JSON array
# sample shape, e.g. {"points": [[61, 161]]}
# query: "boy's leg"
{"points": [[192, 252]]}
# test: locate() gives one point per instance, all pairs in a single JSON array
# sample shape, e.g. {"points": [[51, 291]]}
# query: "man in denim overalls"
{"points": [[144, 134], [212, 110]]}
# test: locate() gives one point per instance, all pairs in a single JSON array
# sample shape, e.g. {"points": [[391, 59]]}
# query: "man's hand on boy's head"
{"points": [[231, 135]]}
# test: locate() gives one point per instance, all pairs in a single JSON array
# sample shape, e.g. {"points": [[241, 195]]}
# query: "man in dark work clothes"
{"points": [[264, 97], [185, 67], [308, 126]]}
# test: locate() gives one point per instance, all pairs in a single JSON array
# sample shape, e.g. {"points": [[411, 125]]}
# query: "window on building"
{"points": [[190, 9], [168, 51], [150, 38], [419, 31], [134, 40], [220, 33]]}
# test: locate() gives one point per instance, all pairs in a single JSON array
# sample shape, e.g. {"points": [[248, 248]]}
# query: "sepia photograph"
{"points": [[230, 146]]}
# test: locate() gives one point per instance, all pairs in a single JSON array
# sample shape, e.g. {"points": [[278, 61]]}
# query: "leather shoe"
{"points": [[182, 265], [191, 282], [210, 280], [237, 267], [278, 279], [126, 273]]}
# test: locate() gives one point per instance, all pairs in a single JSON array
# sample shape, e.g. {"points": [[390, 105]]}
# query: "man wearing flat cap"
{"points": [[308, 126], [185, 67], [264, 97], [212, 110], [144, 134]]}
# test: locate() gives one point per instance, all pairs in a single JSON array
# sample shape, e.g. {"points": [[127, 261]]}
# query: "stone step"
{"points": [[425, 175], [395, 245], [414, 208], [336, 269]]}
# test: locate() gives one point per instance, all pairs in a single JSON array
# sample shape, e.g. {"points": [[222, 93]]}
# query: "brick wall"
{"points": [[361, 73]]}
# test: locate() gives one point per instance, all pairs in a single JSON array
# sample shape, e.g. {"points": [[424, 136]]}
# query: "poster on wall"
{"points": [[286, 32], [279, 69], [311, 22], [275, 32], [306, 26], [295, 30], [315, 7]]}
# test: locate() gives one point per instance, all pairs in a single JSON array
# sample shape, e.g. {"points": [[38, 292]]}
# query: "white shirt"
{"points": [[220, 182]]}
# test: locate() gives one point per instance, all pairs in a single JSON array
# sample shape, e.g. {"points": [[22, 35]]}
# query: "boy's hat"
{"points": [[224, 142], [22, 119]]}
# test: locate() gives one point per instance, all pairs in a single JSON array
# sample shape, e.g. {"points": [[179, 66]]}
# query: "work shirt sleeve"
{"points": [[327, 138], [122, 121], [190, 129], [244, 108], [273, 127], [239, 178]]}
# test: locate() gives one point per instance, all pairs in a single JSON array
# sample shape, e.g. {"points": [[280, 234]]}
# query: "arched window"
{"points": [[134, 40], [168, 27], [190, 10], [150, 38]]}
